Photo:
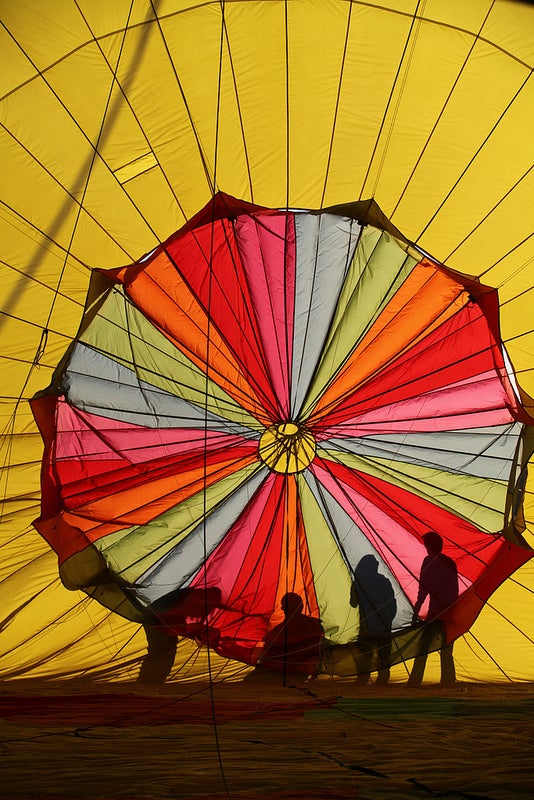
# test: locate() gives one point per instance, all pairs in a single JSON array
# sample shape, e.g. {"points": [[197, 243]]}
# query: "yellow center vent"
{"points": [[287, 447]]}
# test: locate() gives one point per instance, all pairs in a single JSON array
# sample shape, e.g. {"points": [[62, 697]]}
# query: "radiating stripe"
{"points": [[354, 546], [101, 507], [131, 551], [97, 457], [480, 501], [163, 296], [331, 573], [477, 402], [178, 566], [266, 246], [296, 573], [121, 332], [395, 519], [99, 385], [377, 270], [249, 557], [324, 249], [427, 298], [246, 567], [208, 259], [455, 370], [264, 556], [482, 452]]}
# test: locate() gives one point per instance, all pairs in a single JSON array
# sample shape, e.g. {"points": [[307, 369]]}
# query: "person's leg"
{"points": [[418, 670], [159, 657], [448, 670], [384, 660]]}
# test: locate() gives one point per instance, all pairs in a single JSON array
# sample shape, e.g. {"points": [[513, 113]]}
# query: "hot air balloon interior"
{"points": [[267, 346]]}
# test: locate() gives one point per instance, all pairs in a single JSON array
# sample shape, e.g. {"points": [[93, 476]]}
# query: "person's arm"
{"points": [[421, 595]]}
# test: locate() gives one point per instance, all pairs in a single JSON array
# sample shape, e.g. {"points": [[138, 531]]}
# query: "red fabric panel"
{"points": [[246, 567], [484, 560], [263, 557], [64, 539], [460, 348], [212, 249], [44, 412]]}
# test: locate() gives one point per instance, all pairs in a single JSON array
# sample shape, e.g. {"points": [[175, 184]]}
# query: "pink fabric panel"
{"points": [[245, 567], [385, 509], [223, 566], [430, 412], [90, 437], [395, 545], [268, 259]]}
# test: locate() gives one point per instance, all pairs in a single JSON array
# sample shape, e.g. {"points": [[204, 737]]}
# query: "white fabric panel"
{"points": [[117, 392], [483, 452], [180, 565], [325, 246], [355, 547]]}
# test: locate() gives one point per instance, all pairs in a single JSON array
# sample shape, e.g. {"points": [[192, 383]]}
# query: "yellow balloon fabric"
{"points": [[119, 121]]}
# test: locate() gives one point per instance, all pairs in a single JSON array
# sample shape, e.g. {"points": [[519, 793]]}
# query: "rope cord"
{"points": [[206, 390], [414, 20], [338, 98], [442, 111], [473, 157]]}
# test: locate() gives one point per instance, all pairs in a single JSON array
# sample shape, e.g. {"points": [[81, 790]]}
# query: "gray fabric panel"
{"points": [[356, 547], [180, 565], [482, 452], [99, 385], [325, 246]]}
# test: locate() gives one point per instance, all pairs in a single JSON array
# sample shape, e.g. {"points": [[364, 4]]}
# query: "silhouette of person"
{"points": [[183, 612], [373, 593], [159, 658], [293, 645], [438, 581]]}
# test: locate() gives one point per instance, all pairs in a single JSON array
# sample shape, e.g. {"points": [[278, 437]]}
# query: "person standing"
{"points": [[438, 581]]}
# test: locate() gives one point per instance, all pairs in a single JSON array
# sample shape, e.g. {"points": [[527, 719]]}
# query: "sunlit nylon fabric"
{"points": [[279, 402], [119, 124]]}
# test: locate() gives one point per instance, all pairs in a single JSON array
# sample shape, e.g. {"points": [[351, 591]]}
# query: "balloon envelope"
{"points": [[119, 125]]}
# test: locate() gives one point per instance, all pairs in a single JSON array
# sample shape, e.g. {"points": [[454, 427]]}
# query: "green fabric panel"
{"points": [[479, 500], [332, 578], [378, 269], [121, 332], [132, 551]]}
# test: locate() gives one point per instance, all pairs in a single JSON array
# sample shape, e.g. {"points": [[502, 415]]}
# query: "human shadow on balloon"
{"points": [[438, 581], [183, 612], [293, 645], [372, 593]]}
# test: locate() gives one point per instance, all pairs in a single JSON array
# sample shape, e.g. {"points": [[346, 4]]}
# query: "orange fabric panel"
{"points": [[161, 293], [139, 505], [426, 299], [295, 566]]}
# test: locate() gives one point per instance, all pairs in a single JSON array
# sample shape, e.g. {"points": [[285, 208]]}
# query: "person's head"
{"points": [[433, 542], [213, 598], [203, 601], [292, 604], [368, 564]]}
